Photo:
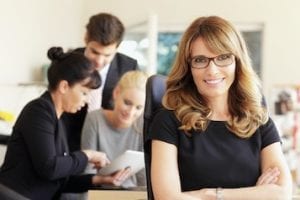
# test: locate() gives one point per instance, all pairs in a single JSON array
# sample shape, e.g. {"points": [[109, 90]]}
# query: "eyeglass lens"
{"points": [[220, 60]]}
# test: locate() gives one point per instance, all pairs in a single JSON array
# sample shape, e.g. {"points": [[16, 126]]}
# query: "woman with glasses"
{"points": [[214, 138]]}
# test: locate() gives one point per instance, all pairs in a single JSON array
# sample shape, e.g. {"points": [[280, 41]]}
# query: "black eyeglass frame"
{"points": [[212, 59]]}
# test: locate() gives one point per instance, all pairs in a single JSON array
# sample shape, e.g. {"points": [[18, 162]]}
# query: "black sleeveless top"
{"points": [[215, 157]]}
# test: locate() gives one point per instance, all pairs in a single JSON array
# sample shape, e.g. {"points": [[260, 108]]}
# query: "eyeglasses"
{"points": [[201, 62]]}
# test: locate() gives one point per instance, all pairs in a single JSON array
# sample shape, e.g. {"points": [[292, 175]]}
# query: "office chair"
{"points": [[155, 89]]}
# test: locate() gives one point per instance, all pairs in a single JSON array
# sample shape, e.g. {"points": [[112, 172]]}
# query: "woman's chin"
{"points": [[126, 123]]}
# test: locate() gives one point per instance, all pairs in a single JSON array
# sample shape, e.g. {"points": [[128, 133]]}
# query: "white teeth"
{"points": [[215, 81]]}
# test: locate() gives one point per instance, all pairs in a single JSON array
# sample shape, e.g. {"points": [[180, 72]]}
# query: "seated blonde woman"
{"points": [[115, 131]]}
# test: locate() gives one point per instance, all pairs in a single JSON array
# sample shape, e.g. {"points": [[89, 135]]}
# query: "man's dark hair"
{"points": [[105, 29]]}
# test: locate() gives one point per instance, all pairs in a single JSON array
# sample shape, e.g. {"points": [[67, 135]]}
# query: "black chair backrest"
{"points": [[155, 89]]}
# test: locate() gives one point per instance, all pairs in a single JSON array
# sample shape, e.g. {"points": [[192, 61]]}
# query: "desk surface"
{"points": [[126, 195], [117, 195]]}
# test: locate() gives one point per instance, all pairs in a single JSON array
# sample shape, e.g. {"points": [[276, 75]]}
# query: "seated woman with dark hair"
{"points": [[38, 164]]}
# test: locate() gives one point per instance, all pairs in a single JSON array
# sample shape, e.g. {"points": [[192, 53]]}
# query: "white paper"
{"points": [[130, 158]]}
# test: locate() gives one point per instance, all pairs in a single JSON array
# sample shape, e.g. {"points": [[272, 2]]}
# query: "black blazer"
{"points": [[74, 122], [119, 65], [38, 164]]}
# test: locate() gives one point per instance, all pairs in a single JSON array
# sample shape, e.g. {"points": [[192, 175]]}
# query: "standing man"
{"points": [[103, 36], [104, 33]]}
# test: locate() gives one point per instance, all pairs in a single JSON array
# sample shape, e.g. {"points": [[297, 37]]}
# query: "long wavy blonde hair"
{"points": [[245, 97]]}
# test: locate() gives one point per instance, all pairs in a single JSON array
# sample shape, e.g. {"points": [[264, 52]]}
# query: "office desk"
{"points": [[117, 195], [127, 195]]}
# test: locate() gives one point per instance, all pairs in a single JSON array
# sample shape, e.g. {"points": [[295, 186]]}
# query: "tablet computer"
{"points": [[130, 158]]}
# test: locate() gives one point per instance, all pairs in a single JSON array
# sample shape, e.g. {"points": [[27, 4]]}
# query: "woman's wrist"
{"points": [[96, 180], [219, 193]]}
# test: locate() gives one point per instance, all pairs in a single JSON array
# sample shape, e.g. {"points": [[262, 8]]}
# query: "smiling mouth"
{"points": [[214, 81]]}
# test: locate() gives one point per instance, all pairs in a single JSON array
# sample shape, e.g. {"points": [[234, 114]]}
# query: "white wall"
{"points": [[280, 19], [29, 28]]}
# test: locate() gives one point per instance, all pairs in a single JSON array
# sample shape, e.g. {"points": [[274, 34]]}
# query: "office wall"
{"points": [[29, 28], [280, 20]]}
